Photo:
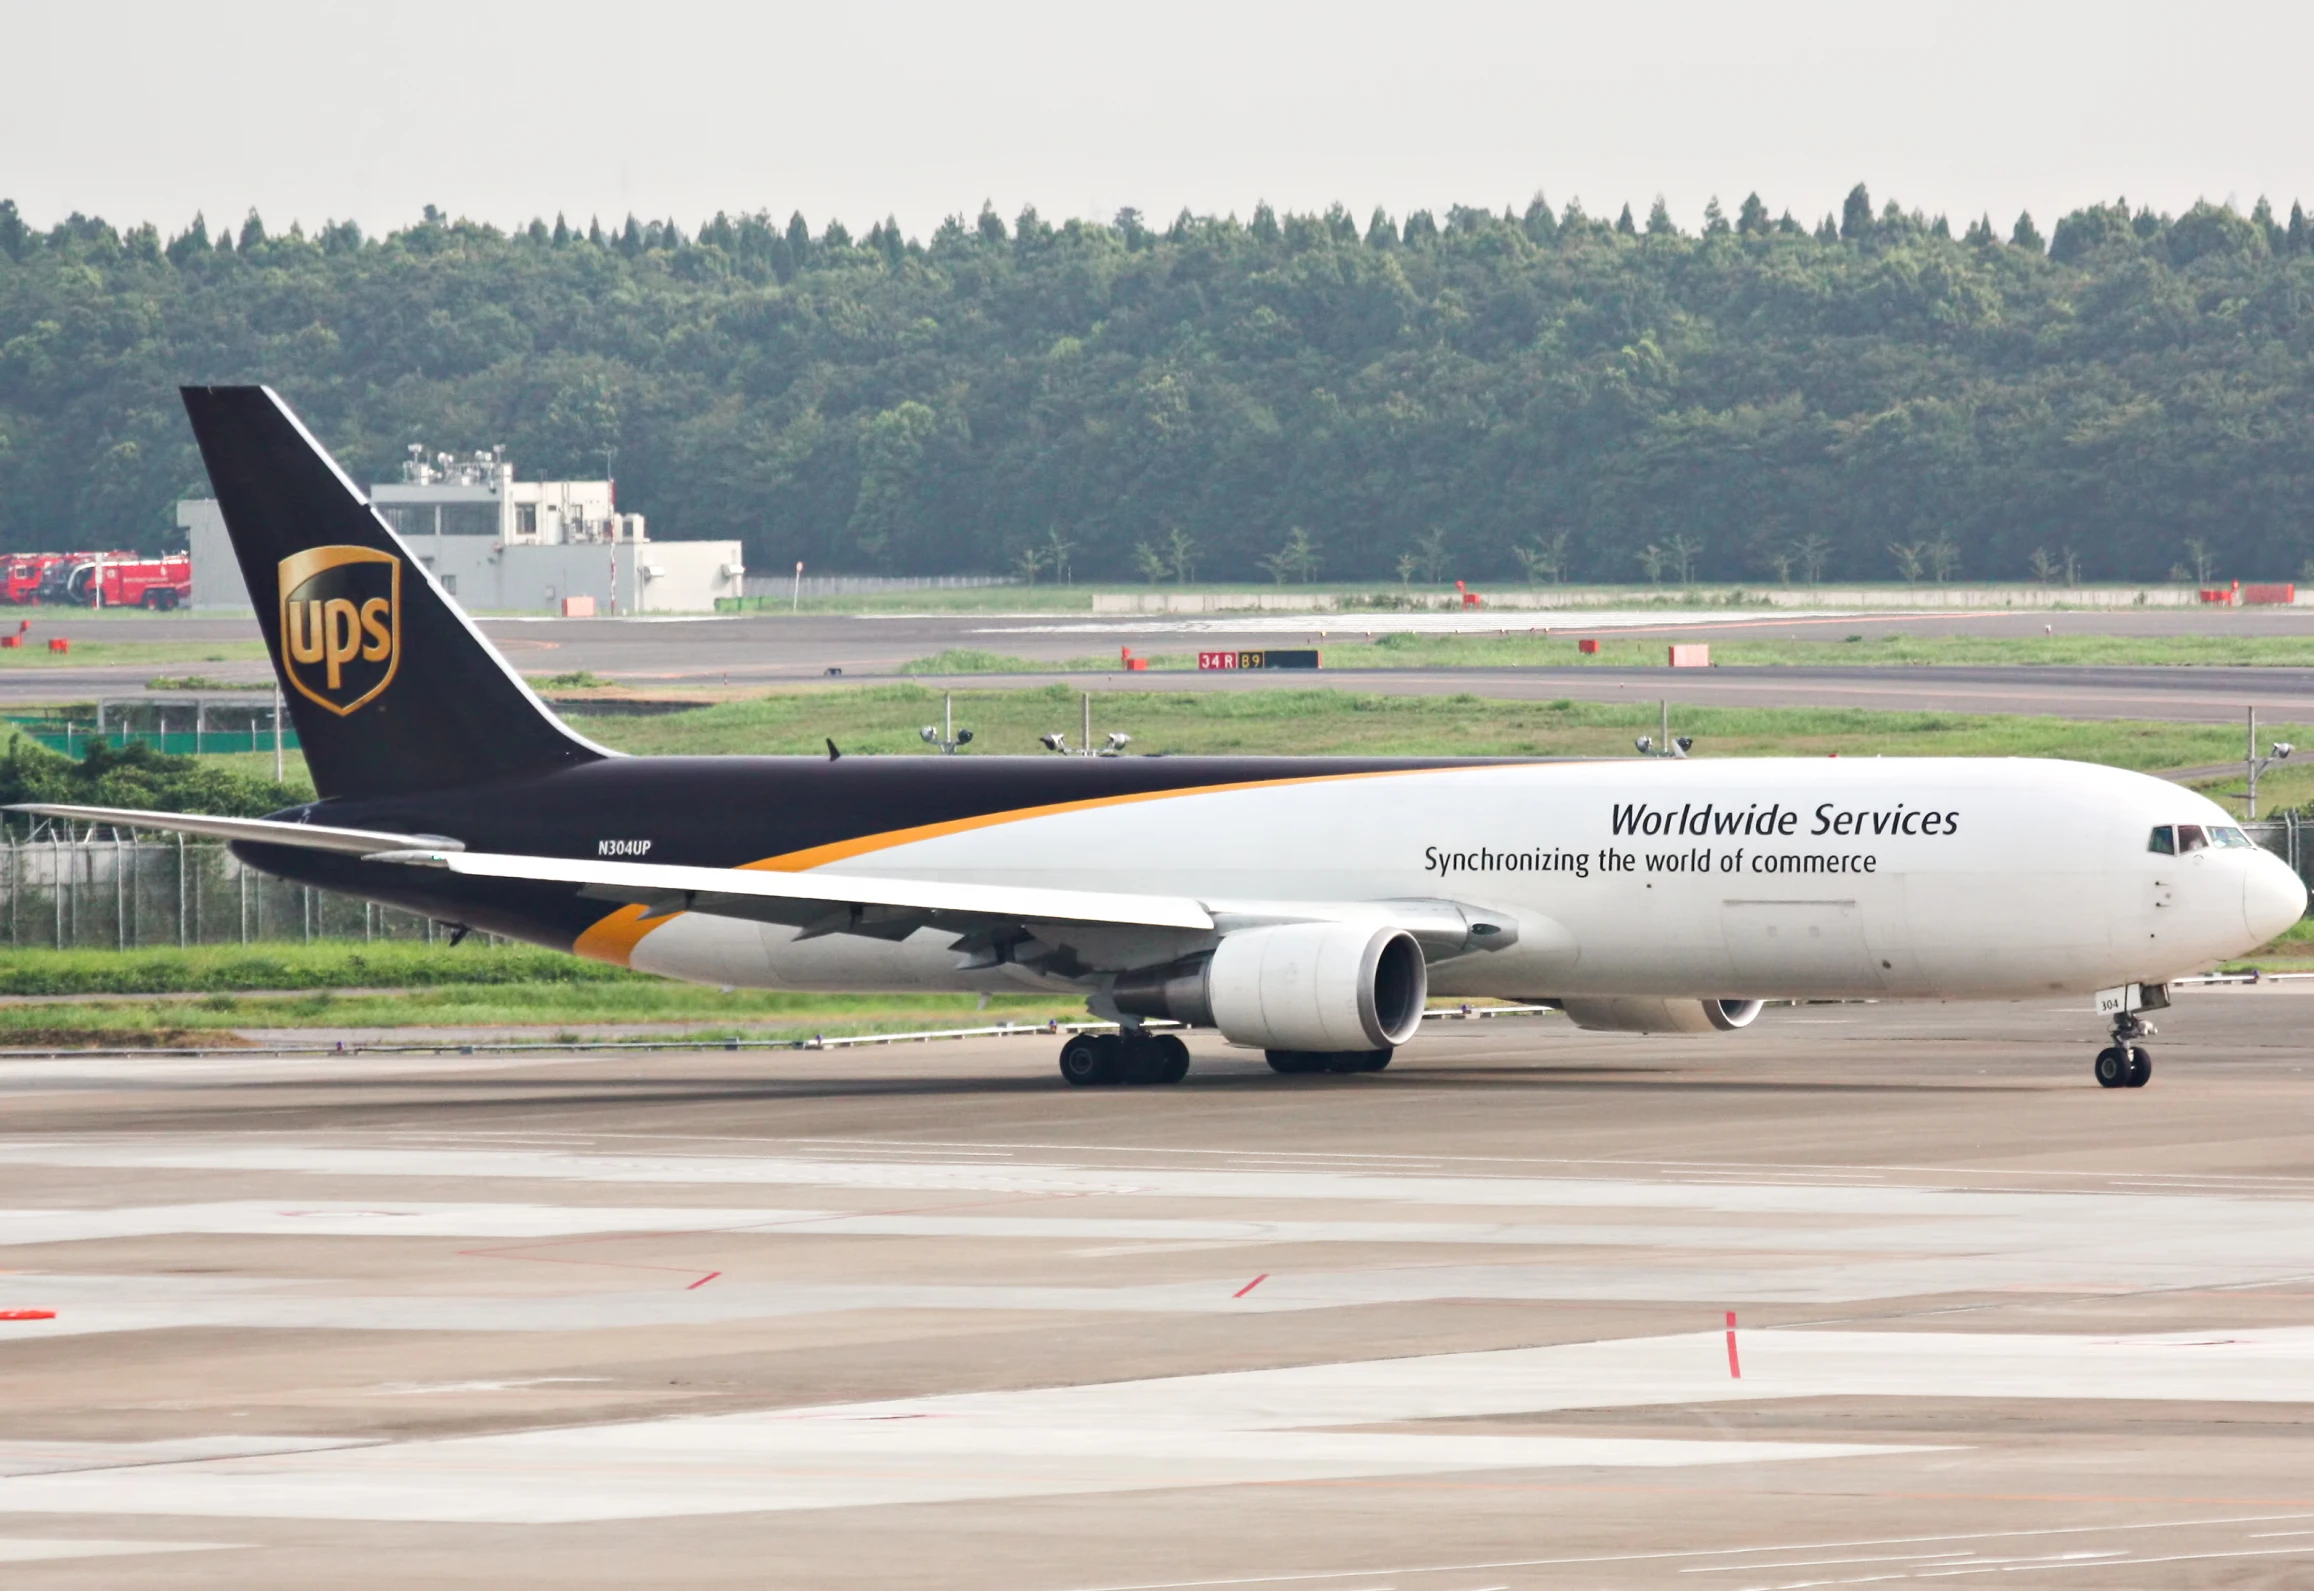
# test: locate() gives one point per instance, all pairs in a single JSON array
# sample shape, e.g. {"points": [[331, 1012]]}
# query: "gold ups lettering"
{"points": [[341, 624]]}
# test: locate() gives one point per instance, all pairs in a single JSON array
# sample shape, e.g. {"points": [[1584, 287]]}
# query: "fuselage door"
{"points": [[1798, 947]]}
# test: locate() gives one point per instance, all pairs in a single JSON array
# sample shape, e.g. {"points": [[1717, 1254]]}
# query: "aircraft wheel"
{"points": [[2113, 1067], [1139, 1060], [1294, 1063], [1173, 1058], [1087, 1061], [2140, 1069]]}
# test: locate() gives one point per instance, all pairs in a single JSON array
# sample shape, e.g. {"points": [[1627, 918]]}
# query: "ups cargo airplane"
{"points": [[1306, 907]]}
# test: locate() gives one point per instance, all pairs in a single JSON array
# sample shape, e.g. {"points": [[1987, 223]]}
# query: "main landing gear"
{"points": [[1295, 1062], [2122, 1064], [1127, 1056]]}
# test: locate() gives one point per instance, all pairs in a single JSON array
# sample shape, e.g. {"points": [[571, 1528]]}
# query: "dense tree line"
{"points": [[1540, 394], [135, 775]]}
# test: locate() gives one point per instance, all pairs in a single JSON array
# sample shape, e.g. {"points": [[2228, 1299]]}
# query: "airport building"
{"points": [[502, 545]]}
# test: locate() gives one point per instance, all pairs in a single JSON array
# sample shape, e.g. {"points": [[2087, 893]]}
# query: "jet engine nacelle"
{"points": [[1300, 986], [1636, 1014]]}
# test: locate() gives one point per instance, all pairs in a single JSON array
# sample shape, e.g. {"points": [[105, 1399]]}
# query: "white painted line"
{"points": [[21, 1456], [403, 1218], [754, 1464], [2101, 1558], [53, 1549], [1345, 626], [1493, 1565], [1823, 1563], [1761, 1194]]}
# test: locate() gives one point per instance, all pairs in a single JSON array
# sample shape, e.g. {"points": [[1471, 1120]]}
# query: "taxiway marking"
{"points": [[1497, 1565]]}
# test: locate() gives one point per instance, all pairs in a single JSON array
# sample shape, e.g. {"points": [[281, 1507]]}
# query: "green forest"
{"points": [[1534, 395]]}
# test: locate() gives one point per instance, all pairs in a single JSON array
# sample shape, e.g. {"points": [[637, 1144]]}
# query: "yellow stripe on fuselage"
{"points": [[615, 937]]}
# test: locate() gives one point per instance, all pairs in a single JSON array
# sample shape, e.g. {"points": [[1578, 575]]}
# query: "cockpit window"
{"points": [[2184, 837]]}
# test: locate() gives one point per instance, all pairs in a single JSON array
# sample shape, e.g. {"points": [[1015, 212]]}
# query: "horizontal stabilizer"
{"points": [[261, 831]]}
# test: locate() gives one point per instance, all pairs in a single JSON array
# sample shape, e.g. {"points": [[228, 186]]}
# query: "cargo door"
{"points": [[1798, 947]]}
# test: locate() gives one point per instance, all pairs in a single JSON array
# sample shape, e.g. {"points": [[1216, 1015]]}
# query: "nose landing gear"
{"points": [[2122, 1064], [2118, 1067]]}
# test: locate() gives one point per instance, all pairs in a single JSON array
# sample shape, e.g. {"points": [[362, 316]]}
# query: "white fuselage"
{"points": [[1896, 877]]}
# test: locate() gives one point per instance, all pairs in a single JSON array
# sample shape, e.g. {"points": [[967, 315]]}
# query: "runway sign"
{"points": [[1305, 658]]}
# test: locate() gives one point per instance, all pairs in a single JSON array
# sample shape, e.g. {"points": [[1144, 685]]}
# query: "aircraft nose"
{"points": [[2273, 897]]}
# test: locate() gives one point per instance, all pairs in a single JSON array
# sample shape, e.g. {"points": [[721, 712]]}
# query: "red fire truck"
{"points": [[125, 579], [23, 573]]}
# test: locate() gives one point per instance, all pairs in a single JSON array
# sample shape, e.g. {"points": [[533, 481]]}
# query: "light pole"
{"points": [[2258, 765], [795, 600], [1115, 747], [1650, 746], [947, 736]]}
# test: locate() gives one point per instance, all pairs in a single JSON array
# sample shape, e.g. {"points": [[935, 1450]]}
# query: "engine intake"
{"points": [[1636, 1014], [1299, 986]]}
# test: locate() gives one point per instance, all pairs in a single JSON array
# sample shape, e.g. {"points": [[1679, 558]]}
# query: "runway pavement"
{"points": [[925, 1317], [768, 650]]}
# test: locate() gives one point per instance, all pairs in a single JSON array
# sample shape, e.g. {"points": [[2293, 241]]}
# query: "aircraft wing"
{"points": [[264, 831], [831, 902], [1108, 926]]}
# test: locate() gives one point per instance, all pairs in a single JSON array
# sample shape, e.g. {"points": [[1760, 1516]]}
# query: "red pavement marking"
{"points": [[1250, 1286], [1735, 1371], [27, 1314], [703, 1281]]}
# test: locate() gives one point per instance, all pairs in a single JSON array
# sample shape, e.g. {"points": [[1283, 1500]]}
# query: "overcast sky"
{"points": [[506, 109]]}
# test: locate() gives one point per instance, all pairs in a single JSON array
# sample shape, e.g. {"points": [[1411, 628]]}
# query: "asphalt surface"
{"points": [[923, 1317], [756, 651]]}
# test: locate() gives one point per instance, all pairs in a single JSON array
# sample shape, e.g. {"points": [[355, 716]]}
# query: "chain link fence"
{"points": [[2285, 836], [104, 889]]}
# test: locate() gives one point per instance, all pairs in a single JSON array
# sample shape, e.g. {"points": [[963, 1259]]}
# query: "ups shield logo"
{"points": [[341, 624]]}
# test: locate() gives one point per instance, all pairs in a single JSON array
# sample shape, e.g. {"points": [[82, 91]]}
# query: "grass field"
{"points": [[101, 647], [555, 1009], [884, 719], [289, 965], [207, 993]]}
